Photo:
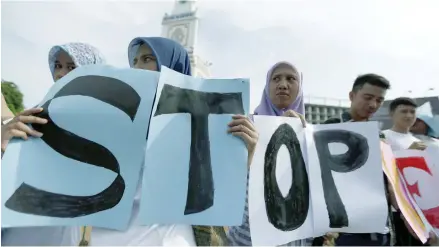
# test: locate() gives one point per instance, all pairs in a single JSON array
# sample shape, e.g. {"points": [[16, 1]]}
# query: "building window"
{"points": [[317, 110]]}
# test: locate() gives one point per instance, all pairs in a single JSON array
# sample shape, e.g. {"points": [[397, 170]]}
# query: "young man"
{"points": [[367, 96], [403, 113]]}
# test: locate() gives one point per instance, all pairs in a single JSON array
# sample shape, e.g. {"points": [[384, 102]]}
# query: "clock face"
{"points": [[179, 34]]}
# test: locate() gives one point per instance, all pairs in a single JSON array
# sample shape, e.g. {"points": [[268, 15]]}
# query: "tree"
{"points": [[6, 112], [13, 96]]}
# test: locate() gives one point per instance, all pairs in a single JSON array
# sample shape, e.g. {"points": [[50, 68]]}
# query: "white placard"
{"points": [[334, 184], [264, 232]]}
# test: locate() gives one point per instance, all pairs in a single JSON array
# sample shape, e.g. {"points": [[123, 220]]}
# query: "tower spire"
{"points": [[184, 6], [182, 26]]}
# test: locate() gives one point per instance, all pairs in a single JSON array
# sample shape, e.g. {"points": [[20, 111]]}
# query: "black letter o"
{"points": [[290, 212]]}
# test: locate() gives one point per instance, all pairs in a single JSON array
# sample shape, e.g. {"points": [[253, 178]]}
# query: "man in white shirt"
{"points": [[403, 114]]}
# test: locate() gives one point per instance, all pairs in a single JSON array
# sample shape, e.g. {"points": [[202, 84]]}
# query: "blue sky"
{"points": [[331, 42]]}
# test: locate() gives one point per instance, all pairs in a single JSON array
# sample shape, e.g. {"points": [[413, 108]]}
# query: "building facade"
{"points": [[318, 109], [181, 25]]}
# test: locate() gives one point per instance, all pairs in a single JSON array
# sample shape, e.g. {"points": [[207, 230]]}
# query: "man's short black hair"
{"points": [[401, 101], [372, 79]]}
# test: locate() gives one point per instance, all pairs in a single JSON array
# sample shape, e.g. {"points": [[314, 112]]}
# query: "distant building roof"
{"points": [[382, 114], [324, 101]]}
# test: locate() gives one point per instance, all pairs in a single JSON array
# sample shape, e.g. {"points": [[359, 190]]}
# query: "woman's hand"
{"points": [[418, 146], [18, 127], [291, 113], [243, 127]]}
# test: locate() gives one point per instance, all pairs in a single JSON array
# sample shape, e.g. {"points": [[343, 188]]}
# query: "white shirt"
{"points": [[399, 141], [138, 235]]}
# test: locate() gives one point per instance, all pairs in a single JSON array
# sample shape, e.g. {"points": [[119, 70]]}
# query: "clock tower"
{"points": [[182, 26]]}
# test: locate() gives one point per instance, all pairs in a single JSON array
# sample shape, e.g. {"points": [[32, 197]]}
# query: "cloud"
{"points": [[331, 42]]}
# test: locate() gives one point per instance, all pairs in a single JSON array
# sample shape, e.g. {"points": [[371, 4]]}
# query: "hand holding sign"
{"points": [[418, 146], [18, 127], [291, 113], [241, 126]]}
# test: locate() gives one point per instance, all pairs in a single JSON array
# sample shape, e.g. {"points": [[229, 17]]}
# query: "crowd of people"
{"points": [[282, 96]]}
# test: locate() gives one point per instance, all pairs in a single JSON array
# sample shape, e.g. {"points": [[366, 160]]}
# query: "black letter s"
{"points": [[31, 200]]}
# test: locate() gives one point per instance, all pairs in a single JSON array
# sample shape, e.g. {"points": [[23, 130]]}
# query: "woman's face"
{"points": [[63, 65], [419, 128], [145, 59], [284, 86]]}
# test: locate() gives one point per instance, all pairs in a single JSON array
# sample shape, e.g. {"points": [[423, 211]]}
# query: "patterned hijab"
{"points": [[81, 54], [266, 107]]}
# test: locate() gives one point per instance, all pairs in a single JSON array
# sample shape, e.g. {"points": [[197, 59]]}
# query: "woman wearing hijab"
{"points": [[150, 54], [62, 60], [283, 91], [282, 96], [65, 58], [426, 129]]}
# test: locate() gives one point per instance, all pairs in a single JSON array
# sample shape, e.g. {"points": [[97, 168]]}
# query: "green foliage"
{"points": [[13, 96]]}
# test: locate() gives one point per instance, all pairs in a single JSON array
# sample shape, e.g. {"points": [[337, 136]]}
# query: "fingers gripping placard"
{"points": [[28, 199], [290, 212]]}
